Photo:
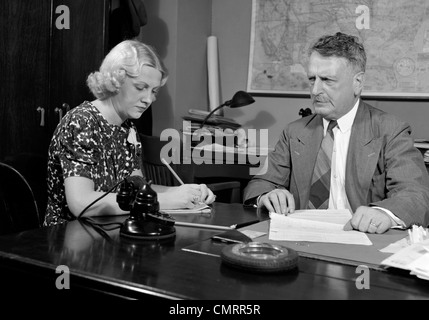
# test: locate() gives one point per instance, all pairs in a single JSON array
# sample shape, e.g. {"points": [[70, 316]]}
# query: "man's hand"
{"points": [[279, 201], [370, 220]]}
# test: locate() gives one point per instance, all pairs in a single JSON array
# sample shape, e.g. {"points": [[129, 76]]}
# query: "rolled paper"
{"points": [[213, 73]]}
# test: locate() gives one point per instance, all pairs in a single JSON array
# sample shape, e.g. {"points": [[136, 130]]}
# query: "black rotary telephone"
{"points": [[145, 221]]}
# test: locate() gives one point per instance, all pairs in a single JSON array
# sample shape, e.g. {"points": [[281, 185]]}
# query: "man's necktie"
{"points": [[320, 183]]}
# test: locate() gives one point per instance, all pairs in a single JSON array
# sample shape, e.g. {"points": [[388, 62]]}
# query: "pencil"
{"points": [[175, 174], [202, 226], [244, 224], [212, 226], [172, 171]]}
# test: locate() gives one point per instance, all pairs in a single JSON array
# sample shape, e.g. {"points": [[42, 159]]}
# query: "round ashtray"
{"points": [[260, 257]]}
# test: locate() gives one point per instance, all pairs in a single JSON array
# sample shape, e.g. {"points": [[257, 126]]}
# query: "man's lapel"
{"points": [[304, 149], [362, 157]]}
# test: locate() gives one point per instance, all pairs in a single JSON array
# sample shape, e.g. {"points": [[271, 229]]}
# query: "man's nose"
{"points": [[317, 87]]}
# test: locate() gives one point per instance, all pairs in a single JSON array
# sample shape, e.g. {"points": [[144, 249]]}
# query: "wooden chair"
{"points": [[155, 170], [18, 207], [33, 168]]}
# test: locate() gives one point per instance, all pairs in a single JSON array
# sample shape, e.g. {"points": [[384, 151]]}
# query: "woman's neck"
{"points": [[108, 111]]}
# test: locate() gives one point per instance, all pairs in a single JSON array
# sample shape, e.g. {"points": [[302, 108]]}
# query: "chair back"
{"points": [[18, 207], [153, 168], [33, 168]]}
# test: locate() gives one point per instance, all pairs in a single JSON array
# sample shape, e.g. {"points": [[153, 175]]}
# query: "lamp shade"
{"points": [[240, 99]]}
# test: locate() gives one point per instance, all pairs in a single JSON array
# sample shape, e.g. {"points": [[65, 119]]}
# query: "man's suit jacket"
{"points": [[383, 167]]}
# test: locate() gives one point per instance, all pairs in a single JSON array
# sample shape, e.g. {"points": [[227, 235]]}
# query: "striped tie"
{"points": [[320, 184]]}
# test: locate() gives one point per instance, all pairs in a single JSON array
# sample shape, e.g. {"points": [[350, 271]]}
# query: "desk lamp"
{"points": [[240, 99]]}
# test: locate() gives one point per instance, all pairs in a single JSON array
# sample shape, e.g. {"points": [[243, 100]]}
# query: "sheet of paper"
{"points": [[315, 226], [404, 258], [199, 208], [396, 246], [420, 266]]}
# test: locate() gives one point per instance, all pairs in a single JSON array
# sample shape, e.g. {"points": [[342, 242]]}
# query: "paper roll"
{"points": [[213, 73]]}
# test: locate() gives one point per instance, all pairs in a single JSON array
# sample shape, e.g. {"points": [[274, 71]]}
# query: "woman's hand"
{"points": [[186, 196], [207, 196]]}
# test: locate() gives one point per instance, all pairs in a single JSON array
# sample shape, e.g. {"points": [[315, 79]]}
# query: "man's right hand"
{"points": [[279, 200]]}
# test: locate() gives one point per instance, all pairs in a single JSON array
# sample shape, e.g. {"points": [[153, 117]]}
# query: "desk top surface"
{"points": [[154, 269]]}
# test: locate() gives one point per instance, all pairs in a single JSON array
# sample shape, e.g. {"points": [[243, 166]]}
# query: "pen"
{"points": [[172, 171], [212, 226], [175, 174], [244, 224], [202, 226]]}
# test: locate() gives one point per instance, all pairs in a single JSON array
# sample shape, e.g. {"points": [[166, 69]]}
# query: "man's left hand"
{"points": [[371, 220]]}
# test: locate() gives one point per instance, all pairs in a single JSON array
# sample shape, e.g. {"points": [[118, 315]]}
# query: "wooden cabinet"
{"points": [[44, 67], [24, 76], [41, 68]]}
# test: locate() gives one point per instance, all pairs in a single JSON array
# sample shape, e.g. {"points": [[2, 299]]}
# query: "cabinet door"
{"points": [[76, 52], [24, 75]]}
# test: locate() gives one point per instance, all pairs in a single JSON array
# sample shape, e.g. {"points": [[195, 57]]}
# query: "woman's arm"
{"points": [[80, 193]]}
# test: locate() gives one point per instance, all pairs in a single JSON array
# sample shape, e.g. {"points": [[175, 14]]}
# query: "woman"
{"points": [[95, 146]]}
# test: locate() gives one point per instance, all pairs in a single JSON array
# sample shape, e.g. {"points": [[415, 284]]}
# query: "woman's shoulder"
{"points": [[84, 109], [84, 114]]}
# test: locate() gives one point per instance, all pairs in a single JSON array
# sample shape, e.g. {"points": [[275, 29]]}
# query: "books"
{"points": [[199, 116], [218, 127], [423, 144], [196, 117]]}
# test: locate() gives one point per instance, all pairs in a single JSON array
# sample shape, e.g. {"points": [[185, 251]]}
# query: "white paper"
{"points": [[198, 208], [420, 266], [404, 258], [396, 246], [315, 226]]}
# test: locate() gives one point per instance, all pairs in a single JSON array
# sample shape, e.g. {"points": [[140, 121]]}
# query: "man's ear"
{"points": [[358, 80]]}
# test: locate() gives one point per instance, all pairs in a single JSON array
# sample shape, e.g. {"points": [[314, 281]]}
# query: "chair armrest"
{"points": [[224, 185], [234, 195]]}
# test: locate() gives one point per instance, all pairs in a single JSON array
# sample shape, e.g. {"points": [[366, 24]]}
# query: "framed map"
{"points": [[395, 34]]}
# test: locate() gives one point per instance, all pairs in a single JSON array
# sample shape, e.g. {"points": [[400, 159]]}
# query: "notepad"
{"points": [[199, 208]]}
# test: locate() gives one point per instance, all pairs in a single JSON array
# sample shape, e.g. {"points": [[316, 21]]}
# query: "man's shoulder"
{"points": [[382, 121], [301, 123], [382, 117]]}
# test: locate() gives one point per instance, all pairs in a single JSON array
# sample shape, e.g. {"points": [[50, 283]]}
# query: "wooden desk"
{"points": [[152, 270]]}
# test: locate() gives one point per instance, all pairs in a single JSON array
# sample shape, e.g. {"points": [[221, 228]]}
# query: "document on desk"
{"points": [[315, 226], [198, 208], [414, 257]]}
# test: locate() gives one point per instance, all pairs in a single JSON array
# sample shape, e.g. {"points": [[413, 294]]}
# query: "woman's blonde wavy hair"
{"points": [[125, 59]]}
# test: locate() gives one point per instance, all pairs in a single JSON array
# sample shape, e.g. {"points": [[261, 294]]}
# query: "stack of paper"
{"points": [[423, 144], [414, 257], [315, 226]]}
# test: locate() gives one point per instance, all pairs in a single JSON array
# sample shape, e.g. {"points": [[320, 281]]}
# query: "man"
{"points": [[375, 171]]}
